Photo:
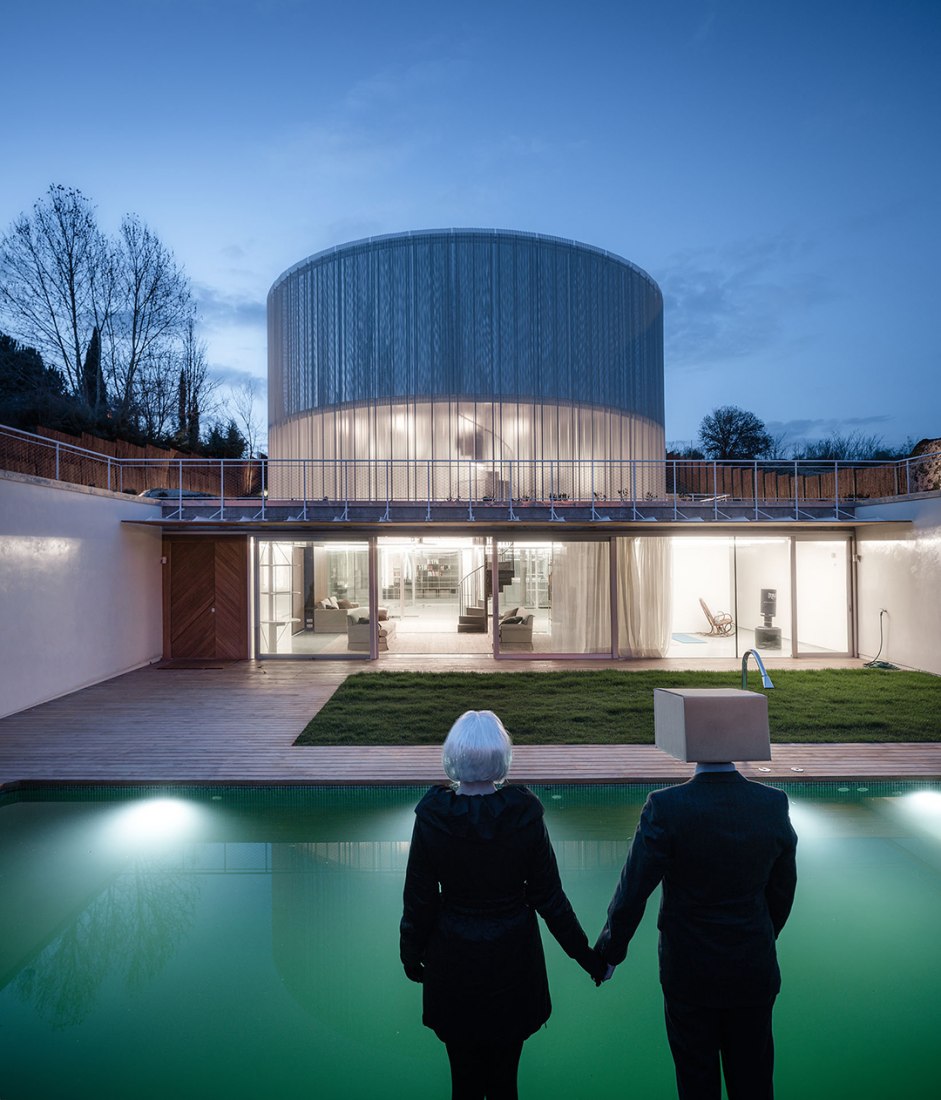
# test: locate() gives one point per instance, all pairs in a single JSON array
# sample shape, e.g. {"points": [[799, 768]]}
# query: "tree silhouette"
{"points": [[93, 381], [731, 432]]}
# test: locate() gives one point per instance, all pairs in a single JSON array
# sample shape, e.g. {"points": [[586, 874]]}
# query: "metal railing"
{"points": [[465, 490]]}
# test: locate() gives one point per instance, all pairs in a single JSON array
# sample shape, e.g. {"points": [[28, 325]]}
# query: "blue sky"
{"points": [[775, 167]]}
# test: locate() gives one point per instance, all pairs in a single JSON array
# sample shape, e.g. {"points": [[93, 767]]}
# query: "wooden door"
{"points": [[206, 599]]}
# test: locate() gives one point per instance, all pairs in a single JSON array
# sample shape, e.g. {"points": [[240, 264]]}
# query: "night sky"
{"points": [[774, 167]]}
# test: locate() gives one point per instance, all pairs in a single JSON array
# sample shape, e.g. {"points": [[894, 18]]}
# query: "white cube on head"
{"points": [[710, 725]]}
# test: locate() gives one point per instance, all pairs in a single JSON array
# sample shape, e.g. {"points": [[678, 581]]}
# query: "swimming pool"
{"points": [[237, 942]]}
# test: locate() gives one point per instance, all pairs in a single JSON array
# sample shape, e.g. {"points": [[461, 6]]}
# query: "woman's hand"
{"points": [[608, 975]]}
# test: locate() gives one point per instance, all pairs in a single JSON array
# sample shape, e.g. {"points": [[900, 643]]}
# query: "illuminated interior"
{"points": [[784, 596]]}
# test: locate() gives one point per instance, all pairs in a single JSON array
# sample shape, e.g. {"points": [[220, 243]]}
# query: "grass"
{"points": [[616, 707]]}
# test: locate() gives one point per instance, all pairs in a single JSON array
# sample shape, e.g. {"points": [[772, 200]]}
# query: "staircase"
{"points": [[473, 620], [475, 591]]}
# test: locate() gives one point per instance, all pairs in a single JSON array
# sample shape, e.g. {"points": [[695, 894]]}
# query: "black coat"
{"points": [[480, 868], [724, 849]]}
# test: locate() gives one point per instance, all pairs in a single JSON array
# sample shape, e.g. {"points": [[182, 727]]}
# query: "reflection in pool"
{"points": [[237, 942]]}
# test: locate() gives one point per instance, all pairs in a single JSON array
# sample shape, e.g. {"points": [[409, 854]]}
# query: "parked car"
{"points": [[174, 494]]}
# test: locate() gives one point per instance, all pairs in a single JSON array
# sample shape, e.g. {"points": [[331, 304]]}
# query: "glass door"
{"points": [[822, 573], [763, 595]]}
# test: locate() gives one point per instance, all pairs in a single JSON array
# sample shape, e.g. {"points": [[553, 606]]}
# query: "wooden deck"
{"points": [[236, 723]]}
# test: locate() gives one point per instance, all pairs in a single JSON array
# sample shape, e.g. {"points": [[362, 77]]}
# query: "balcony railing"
{"points": [[465, 490]]}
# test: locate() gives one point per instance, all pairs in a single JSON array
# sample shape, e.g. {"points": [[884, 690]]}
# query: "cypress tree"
{"points": [[93, 381]]}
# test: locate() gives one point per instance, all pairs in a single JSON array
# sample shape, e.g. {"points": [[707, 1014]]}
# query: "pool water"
{"points": [[243, 942]]}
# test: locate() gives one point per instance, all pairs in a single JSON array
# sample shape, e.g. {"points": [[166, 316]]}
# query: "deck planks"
{"points": [[236, 722]]}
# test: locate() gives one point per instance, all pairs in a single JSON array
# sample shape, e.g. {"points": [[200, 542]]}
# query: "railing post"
{"points": [[715, 490], [57, 460], [387, 516], [634, 488], [836, 488], [755, 487], [304, 484], [553, 493], [797, 510], [470, 490], [221, 488], [428, 494], [675, 491], [512, 515]]}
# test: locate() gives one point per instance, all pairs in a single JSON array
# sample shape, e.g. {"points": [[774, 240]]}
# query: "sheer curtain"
{"points": [[645, 595], [581, 598]]}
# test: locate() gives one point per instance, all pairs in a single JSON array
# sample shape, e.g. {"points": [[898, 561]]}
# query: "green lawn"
{"points": [[616, 707]]}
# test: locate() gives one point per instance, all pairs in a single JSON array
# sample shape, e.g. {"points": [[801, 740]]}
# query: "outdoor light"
{"points": [[155, 821]]}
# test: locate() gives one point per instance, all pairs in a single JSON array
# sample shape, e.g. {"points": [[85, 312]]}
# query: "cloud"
{"points": [[733, 302], [402, 83], [233, 377], [878, 429], [826, 425], [222, 308]]}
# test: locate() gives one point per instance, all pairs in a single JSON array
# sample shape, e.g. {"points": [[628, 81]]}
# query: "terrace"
{"points": [[236, 722], [273, 493]]}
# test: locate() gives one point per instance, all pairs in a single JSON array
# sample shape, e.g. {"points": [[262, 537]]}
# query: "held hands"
{"points": [[598, 970], [608, 975]]}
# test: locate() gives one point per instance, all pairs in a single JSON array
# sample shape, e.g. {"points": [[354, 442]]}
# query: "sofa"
{"points": [[359, 627], [516, 629], [330, 615]]}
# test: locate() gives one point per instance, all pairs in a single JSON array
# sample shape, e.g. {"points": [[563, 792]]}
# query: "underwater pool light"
{"points": [[155, 820]]}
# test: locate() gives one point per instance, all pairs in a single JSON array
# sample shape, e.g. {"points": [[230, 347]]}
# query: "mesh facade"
{"points": [[465, 344]]}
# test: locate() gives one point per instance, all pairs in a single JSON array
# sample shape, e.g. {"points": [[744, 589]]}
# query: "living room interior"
{"points": [[684, 596]]}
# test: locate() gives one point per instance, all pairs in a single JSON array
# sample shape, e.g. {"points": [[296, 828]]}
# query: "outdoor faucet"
{"points": [[765, 678]]}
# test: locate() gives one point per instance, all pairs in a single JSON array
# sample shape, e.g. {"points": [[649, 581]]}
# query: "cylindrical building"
{"points": [[504, 350]]}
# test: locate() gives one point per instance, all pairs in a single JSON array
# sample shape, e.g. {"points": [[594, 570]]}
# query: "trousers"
{"points": [[703, 1037], [484, 1071]]}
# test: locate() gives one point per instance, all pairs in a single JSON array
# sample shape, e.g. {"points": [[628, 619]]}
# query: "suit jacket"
{"points": [[724, 849]]}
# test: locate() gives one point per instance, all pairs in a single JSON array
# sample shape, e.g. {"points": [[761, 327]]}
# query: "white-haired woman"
{"points": [[480, 868]]}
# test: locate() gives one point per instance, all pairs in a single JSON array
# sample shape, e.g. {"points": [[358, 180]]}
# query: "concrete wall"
{"points": [[900, 570], [80, 592]]}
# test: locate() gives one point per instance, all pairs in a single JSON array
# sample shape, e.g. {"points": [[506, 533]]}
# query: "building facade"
{"points": [[485, 353]]}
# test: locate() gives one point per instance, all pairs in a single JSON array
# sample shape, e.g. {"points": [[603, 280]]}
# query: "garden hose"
{"points": [[875, 662]]}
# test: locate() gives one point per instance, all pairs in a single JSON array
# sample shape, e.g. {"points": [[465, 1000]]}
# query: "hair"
{"points": [[477, 749]]}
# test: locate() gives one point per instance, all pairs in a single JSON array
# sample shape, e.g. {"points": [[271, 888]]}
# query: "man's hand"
{"points": [[608, 975]]}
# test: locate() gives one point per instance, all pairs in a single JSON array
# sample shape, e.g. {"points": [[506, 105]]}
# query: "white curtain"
{"points": [[581, 598], [645, 588]]}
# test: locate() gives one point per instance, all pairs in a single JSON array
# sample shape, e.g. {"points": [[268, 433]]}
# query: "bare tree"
{"points": [[154, 408], [245, 403], [852, 447], [55, 274], [152, 309]]}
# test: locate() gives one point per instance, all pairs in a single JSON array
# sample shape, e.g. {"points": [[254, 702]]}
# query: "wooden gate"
{"points": [[206, 599]]}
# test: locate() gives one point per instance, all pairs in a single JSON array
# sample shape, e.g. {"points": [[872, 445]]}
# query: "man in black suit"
{"points": [[724, 850]]}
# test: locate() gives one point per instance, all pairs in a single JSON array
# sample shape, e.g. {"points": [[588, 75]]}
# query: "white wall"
{"points": [[702, 567], [899, 569], [80, 592]]}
